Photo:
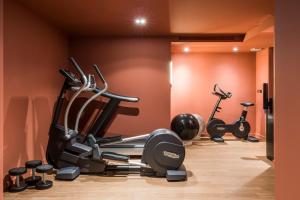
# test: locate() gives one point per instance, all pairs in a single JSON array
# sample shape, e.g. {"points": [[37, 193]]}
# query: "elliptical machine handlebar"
{"points": [[85, 85], [99, 74], [100, 92], [77, 67], [219, 92], [72, 79]]}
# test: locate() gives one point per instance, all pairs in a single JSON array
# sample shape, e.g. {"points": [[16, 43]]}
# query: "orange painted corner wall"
{"points": [[262, 76], [287, 98], [1, 98], [132, 67], [195, 74], [33, 53]]}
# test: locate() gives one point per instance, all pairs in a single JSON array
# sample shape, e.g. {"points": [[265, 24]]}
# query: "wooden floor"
{"points": [[233, 170]]}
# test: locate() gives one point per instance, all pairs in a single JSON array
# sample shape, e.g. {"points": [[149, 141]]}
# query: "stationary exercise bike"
{"points": [[217, 128]]}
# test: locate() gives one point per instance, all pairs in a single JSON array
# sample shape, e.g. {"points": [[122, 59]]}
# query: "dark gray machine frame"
{"points": [[162, 156], [268, 107]]}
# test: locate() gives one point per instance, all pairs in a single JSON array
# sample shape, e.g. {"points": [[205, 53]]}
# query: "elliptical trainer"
{"points": [[162, 156], [217, 128]]}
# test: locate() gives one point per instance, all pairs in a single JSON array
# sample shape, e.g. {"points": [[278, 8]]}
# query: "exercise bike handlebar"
{"points": [[218, 91]]}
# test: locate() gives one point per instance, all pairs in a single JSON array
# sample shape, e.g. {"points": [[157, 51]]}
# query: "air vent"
{"points": [[234, 37]]}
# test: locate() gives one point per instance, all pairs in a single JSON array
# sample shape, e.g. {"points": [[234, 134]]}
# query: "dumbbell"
{"points": [[44, 184], [33, 179], [19, 184]]}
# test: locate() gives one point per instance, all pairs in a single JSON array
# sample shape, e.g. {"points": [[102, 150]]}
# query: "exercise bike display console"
{"points": [[217, 128]]}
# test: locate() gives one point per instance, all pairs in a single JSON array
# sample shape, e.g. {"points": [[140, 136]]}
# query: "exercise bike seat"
{"points": [[247, 104]]}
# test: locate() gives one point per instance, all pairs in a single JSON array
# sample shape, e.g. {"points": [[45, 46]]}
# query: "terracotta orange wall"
{"points": [[195, 74], [1, 98], [287, 98], [132, 67], [33, 52], [262, 71]]}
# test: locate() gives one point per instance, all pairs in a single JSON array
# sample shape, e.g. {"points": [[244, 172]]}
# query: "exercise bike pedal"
{"points": [[217, 139]]}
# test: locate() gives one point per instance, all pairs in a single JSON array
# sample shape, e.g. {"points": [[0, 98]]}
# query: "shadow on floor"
{"points": [[261, 186], [261, 158]]}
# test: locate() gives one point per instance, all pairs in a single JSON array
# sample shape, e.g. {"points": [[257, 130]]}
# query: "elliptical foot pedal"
{"points": [[252, 139], [176, 175], [67, 173], [217, 139], [109, 139]]}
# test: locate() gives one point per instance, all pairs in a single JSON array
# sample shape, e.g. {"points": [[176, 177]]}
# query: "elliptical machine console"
{"points": [[163, 154], [217, 128]]}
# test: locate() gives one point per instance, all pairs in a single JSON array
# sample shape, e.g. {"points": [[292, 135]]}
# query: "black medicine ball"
{"points": [[185, 125]]}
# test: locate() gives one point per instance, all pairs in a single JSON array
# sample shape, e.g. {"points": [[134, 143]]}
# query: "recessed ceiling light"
{"points": [[255, 49], [235, 49], [143, 21], [137, 21], [140, 21], [186, 49]]}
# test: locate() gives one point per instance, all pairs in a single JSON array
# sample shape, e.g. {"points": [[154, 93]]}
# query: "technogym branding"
{"points": [[171, 155]]}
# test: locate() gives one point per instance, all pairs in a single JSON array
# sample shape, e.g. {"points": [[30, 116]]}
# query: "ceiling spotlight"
{"points": [[143, 21], [137, 21], [140, 21], [255, 49], [186, 49], [235, 49]]}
